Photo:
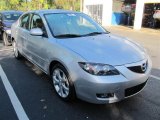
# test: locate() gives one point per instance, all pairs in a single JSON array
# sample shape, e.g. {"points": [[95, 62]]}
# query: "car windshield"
{"points": [[11, 16], [73, 25]]}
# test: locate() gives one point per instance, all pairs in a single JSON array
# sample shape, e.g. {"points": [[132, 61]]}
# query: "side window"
{"points": [[25, 22], [38, 23]]}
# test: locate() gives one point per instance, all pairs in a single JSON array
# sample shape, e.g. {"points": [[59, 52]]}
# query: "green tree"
{"points": [[69, 4], [25, 5]]}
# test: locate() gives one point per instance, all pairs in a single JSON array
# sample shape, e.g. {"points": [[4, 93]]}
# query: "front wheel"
{"points": [[62, 83], [15, 50]]}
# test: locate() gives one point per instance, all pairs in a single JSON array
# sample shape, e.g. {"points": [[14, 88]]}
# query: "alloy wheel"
{"points": [[60, 82]]}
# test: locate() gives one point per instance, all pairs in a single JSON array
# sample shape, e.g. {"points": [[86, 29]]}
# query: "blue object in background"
{"points": [[118, 18]]}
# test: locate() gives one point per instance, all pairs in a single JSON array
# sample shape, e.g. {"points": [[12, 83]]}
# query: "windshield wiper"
{"points": [[95, 33], [67, 36]]}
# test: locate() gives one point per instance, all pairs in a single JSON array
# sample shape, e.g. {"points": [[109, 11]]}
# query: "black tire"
{"points": [[15, 50], [71, 95], [0, 35], [5, 40]]}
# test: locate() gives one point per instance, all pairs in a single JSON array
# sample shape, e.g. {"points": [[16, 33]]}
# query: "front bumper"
{"points": [[110, 89]]}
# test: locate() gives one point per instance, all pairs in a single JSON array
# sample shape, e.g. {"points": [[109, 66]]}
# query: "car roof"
{"points": [[10, 11], [51, 11]]}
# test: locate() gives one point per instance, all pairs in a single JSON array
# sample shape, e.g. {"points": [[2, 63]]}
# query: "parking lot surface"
{"points": [[27, 93]]}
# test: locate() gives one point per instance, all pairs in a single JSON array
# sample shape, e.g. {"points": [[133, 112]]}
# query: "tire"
{"points": [[0, 35], [15, 50], [62, 83], [5, 40]]}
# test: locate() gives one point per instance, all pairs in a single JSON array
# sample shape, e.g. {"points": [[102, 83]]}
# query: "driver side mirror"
{"points": [[36, 32]]}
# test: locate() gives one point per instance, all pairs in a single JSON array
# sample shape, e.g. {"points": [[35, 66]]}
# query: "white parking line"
{"points": [[13, 97], [155, 77]]}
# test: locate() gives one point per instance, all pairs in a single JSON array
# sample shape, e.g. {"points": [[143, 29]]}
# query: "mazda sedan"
{"points": [[83, 59]]}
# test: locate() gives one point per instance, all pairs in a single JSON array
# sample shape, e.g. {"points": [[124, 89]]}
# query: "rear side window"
{"points": [[25, 21]]}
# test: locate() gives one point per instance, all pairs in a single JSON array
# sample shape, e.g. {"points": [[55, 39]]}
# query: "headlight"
{"points": [[8, 31], [99, 69]]}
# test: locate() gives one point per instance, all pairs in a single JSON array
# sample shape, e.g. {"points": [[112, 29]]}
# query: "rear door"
{"points": [[22, 32]]}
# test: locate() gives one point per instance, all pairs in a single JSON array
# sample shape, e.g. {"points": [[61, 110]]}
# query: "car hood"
{"points": [[106, 48]]}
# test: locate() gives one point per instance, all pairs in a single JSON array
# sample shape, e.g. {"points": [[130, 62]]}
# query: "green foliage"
{"points": [[25, 5], [68, 4]]}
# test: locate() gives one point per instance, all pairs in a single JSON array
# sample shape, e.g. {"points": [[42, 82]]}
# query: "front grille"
{"points": [[140, 68], [136, 69], [134, 90]]}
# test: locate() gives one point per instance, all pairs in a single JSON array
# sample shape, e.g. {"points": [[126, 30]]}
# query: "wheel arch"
{"points": [[54, 62]]}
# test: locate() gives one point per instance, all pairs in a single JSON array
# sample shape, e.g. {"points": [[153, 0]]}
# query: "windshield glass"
{"points": [[11, 16], [73, 24]]}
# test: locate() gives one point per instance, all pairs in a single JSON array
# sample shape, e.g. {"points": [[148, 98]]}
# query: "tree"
{"points": [[25, 5], [14, 4], [68, 4]]}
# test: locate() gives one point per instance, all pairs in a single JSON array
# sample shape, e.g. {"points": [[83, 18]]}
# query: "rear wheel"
{"points": [[62, 83], [15, 50]]}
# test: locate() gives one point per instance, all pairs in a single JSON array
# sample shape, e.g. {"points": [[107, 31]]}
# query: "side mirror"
{"points": [[36, 32]]}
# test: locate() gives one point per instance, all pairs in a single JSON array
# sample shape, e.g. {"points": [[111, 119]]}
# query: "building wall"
{"points": [[118, 17], [117, 4], [111, 13], [139, 12], [151, 1], [109, 4], [106, 12]]}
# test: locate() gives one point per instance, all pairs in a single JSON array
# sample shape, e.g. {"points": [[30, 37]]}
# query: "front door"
{"points": [[37, 45]]}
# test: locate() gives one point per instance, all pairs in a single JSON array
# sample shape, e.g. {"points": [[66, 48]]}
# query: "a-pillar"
{"points": [[106, 11]]}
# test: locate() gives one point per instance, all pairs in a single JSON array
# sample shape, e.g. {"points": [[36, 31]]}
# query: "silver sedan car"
{"points": [[83, 59]]}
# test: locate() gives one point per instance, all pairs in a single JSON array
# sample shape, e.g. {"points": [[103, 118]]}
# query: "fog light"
{"points": [[105, 95]]}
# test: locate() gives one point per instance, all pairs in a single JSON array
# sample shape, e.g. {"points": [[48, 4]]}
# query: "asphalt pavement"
{"points": [[29, 94]]}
